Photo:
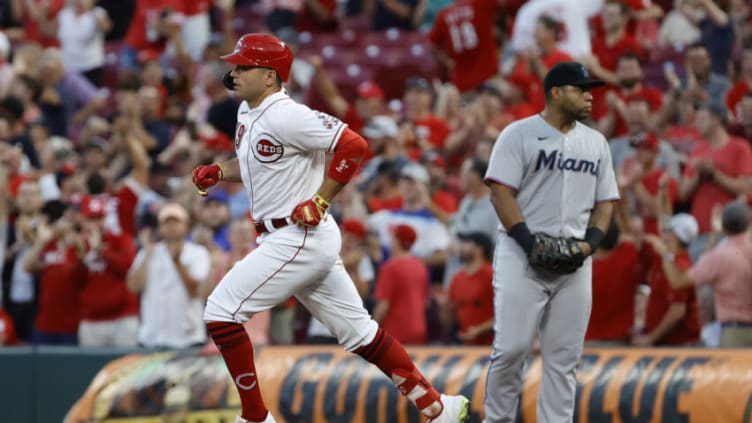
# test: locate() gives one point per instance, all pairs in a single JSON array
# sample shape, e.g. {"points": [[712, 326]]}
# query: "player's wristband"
{"points": [[221, 172], [594, 236], [522, 235]]}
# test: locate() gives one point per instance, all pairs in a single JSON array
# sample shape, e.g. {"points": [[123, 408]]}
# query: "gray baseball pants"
{"points": [[529, 302]]}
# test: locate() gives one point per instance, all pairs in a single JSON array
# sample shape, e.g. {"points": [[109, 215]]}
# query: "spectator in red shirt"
{"points": [[640, 180], [402, 290], [55, 257], [464, 41], [7, 332], [611, 116], [672, 314], [384, 193], [317, 16], [39, 20], [369, 101], [615, 283], [443, 202], [742, 86], [729, 276], [430, 130], [742, 128], [538, 60], [718, 171], [615, 41], [548, 33], [152, 24], [109, 312], [470, 301]]}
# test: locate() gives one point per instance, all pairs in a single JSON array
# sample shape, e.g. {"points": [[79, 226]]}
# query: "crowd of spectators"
{"points": [[106, 106]]}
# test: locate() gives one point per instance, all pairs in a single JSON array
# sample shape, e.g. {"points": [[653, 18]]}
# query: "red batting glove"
{"points": [[206, 176], [310, 212]]}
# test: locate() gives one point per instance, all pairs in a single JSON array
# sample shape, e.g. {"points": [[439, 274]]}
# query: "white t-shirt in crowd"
{"points": [[81, 40], [572, 14], [432, 235], [169, 316]]}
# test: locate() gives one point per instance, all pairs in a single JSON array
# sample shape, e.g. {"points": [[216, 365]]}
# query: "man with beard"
{"points": [[471, 291], [611, 116], [552, 185]]}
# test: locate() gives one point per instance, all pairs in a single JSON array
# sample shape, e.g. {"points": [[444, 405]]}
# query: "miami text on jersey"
{"points": [[555, 158]]}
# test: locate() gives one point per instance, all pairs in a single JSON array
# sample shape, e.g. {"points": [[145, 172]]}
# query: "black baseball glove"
{"points": [[560, 255]]}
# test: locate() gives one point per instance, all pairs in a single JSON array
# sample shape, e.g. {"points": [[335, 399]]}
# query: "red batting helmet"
{"points": [[263, 50]]}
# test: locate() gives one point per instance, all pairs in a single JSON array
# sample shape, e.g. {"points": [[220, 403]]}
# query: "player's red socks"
{"points": [[237, 351], [390, 356]]}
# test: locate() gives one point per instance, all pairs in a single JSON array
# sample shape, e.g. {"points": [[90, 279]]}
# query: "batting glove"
{"points": [[206, 176], [310, 212]]}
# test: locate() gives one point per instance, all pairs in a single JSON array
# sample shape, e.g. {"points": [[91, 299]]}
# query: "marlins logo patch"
{"points": [[239, 132], [268, 151]]}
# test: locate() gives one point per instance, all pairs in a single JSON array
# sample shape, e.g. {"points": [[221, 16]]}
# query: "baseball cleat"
{"points": [[269, 419], [456, 409]]}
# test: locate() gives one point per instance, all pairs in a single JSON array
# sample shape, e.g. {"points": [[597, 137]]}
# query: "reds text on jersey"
{"points": [[281, 147]]}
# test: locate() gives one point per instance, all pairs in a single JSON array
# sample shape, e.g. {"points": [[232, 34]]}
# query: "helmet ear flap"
{"points": [[228, 82]]}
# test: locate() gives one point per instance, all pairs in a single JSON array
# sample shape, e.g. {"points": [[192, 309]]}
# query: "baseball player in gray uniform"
{"points": [[552, 185]]}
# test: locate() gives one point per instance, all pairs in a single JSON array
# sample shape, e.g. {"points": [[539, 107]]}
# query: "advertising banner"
{"points": [[325, 384]]}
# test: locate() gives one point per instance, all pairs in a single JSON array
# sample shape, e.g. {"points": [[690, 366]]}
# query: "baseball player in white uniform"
{"points": [[281, 148], [551, 178]]}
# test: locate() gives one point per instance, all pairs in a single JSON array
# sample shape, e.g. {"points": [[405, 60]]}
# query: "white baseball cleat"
{"points": [[456, 409], [269, 419]]}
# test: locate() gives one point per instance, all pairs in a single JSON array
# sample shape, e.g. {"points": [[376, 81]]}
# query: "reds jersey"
{"points": [[281, 147], [465, 31], [558, 177]]}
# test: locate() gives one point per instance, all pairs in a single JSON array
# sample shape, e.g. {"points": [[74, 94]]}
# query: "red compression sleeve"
{"points": [[347, 156]]}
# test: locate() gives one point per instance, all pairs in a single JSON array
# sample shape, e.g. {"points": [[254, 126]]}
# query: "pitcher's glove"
{"points": [[560, 255]]}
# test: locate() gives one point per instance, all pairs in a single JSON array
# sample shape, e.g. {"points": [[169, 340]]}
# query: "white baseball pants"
{"points": [[300, 262]]}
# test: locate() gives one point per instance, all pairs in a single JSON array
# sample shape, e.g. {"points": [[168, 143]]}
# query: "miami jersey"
{"points": [[558, 177]]}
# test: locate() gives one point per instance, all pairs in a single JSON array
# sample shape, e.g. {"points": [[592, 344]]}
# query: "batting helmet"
{"points": [[263, 50]]}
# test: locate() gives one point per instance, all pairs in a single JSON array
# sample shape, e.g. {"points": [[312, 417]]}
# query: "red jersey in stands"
{"points": [[433, 128], [609, 54], [120, 207], [352, 119], [61, 281], [662, 295], [733, 159], [465, 31], [652, 96], [683, 139], [472, 295], [615, 281], [403, 282], [32, 33], [650, 182], [105, 295], [306, 20], [142, 33], [522, 68], [735, 95], [196, 7], [377, 203], [7, 330]]}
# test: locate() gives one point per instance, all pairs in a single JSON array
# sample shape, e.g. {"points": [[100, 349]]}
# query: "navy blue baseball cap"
{"points": [[569, 73]]}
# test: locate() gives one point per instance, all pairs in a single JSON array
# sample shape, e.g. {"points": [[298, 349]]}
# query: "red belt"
{"points": [[274, 223]]}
